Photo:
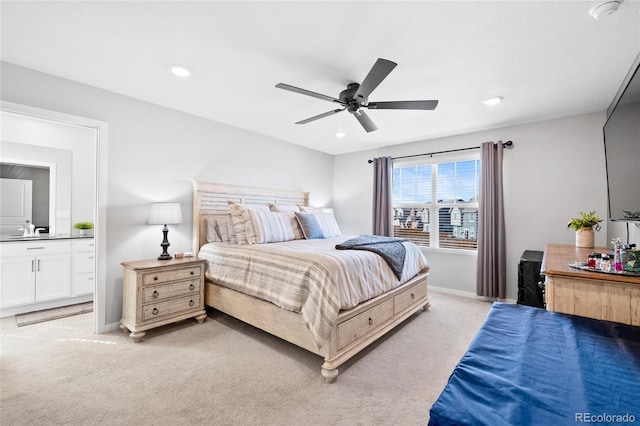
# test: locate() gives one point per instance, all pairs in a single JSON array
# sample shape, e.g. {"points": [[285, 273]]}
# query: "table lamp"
{"points": [[165, 214]]}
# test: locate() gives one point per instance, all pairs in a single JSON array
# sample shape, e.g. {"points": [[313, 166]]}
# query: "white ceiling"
{"points": [[548, 59]]}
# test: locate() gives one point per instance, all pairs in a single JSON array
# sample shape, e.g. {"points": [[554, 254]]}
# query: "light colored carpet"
{"points": [[224, 372], [52, 314]]}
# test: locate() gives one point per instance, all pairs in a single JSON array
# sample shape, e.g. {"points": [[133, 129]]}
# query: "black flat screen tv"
{"points": [[622, 152]]}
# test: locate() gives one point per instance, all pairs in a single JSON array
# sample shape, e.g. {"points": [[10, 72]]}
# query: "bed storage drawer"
{"points": [[364, 323], [408, 297]]}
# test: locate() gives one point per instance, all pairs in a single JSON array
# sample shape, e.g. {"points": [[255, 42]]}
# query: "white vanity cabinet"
{"points": [[34, 271], [83, 265]]}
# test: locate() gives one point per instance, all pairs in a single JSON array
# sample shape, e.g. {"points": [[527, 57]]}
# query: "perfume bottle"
{"points": [[617, 255]]}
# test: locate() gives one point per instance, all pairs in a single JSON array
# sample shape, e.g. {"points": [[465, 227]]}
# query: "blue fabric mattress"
{"points": [[529, 366]]}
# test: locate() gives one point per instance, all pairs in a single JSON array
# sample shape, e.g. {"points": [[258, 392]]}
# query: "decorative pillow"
{"points": [[328, 224], [220, 229], [272, 227], [283, 207], [242, 223], [213, 236], [225, 228], [310, 226]]}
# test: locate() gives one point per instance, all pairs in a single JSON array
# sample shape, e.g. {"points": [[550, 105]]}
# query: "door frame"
{"points": [[100, 201]]}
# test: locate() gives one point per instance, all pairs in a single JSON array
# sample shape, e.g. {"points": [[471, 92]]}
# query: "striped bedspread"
{"points": [[308, 276]]}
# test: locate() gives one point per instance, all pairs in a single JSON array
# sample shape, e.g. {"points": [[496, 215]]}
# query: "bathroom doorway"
{"points": [[35, 129]]}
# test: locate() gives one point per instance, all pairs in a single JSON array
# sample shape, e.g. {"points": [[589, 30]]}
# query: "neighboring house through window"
{"points": [[435, 201]]}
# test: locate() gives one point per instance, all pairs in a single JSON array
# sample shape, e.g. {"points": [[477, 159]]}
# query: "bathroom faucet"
{"points": [[28, 232]]}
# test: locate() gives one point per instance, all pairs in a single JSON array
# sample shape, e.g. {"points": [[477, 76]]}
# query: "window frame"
{"points": [[433, 206]]}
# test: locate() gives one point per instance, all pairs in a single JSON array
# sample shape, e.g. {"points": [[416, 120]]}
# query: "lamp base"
{"points": [[165, 245]]}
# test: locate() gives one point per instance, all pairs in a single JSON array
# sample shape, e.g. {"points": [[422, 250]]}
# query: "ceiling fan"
{"points": [[355, 97]]}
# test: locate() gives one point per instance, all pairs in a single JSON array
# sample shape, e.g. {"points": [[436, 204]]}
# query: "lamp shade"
{"points": [[165, 214]]}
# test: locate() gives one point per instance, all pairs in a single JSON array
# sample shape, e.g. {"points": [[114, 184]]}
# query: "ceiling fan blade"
{"points": [[379, 72], [423, 105], [306, 92], [319, 116], [365, 121]]}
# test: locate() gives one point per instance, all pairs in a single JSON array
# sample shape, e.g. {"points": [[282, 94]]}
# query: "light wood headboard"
{"points": [[210, 199]]}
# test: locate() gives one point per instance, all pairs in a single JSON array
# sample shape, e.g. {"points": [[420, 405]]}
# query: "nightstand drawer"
{"points": [[169, 290], [171, 275], [159, 310]]}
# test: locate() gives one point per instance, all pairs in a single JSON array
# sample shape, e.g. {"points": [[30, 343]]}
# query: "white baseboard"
{"points": [[466, 294]]}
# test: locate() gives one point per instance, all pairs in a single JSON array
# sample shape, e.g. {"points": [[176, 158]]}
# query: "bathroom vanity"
{"points": [[45, 272]]}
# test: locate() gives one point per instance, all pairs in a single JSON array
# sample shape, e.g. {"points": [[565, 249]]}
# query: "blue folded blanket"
{"points": [[390, 248]]}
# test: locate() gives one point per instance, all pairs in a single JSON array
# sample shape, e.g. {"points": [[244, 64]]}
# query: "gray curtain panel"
{"points": [[382, 196], [492, 270]]}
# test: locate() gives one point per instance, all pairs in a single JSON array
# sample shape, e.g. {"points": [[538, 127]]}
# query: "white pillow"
{"points": [[328, 224], [283, 208], [272, 227]]}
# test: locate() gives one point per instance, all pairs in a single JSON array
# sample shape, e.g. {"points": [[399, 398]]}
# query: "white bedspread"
{"points": [[308, 276]]}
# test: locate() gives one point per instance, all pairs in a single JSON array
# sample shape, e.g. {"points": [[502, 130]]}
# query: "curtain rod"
{"points": [[506, 144]]}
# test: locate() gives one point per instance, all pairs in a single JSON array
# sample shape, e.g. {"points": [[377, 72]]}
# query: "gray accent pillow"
{"points": [[310, 226]]}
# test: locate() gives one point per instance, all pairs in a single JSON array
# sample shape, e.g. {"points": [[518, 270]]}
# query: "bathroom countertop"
{"points": [[42, 237]]}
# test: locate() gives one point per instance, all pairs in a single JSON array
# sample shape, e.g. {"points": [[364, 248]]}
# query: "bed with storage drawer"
{"points": [[272, 262]]}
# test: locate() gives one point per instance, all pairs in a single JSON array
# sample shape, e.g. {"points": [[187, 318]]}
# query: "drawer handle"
{"points": [[370, 321], [191, 286], [156, 294], [413, 296], [155, 311], [192, 272], [155, 278], [191, 302]]}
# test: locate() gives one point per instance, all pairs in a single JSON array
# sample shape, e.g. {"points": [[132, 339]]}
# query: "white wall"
{"points": [[154, 153], [555, 169]]}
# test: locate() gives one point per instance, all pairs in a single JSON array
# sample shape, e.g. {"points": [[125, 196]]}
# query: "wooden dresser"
{"points": [[612, 297], [159, 292]]}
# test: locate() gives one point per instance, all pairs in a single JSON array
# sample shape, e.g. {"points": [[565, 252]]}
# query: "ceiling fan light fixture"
{"points": [[493, 101], [180, 71], [604, 9]]}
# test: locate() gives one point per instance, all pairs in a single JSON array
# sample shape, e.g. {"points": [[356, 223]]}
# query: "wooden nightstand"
{"points": [[159, 292]]}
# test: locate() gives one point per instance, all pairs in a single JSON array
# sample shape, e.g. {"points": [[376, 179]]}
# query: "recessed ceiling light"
{"points": [[340, 134], [493, 101], [180, 71], [604, 9]]}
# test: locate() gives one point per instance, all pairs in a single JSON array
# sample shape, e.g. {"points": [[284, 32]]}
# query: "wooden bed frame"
{"points": [[355, 329]]}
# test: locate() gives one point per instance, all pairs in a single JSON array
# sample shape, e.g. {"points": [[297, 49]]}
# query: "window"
{"points": [[436, 203]]}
